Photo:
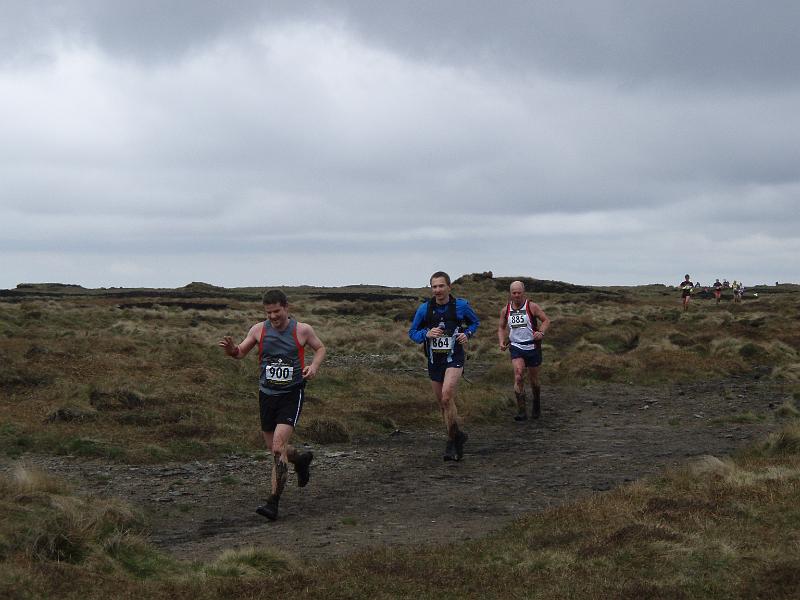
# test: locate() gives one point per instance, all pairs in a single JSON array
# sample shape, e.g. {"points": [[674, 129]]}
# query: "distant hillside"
{"points": [[50, 286], [531, 285], [199, 286]]}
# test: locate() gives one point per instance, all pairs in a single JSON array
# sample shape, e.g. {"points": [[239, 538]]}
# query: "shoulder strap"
{"points": [[452, 310], [534, 323], [429, 313]]}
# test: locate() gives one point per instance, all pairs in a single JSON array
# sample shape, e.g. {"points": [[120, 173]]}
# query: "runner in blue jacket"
{"points": [[445, 325]]}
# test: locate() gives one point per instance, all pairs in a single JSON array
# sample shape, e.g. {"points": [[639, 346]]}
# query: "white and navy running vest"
{"points": [[521, 325], [281, 359]]}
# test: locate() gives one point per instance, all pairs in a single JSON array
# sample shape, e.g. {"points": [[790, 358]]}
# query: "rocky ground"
{"points": [[398, 490]]}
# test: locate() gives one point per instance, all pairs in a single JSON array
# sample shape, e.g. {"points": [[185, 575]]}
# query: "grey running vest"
{"points": [[280, 359]]}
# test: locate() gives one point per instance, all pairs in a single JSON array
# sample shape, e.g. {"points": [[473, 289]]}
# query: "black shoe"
{"points": [[301, 467], [521, 416], [270, 509], [461, 439], [450, 451]]}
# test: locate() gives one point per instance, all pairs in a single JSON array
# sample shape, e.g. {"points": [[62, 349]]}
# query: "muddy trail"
{"points": [[397, 490]]}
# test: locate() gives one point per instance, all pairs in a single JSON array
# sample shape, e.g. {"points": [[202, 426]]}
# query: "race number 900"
{"points": [[279, 373]]}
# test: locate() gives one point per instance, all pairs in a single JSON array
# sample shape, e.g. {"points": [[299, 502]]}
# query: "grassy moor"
{"points": [[666, 463]]}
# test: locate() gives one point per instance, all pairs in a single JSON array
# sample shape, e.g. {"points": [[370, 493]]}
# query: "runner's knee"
{"points": [[278, 447], [448, 394]]}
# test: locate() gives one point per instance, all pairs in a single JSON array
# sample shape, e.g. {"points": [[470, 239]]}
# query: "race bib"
{"points": [[443, 344], [518, 319], [279, 374]]}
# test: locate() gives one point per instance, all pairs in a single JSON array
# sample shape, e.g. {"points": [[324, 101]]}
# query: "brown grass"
{"points": [[131, 380]]}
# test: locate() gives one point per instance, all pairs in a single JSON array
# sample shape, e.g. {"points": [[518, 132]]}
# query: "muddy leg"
{"points": [[537, 391], [519, 388], [280, 469], [280, 451], [448, 401]]}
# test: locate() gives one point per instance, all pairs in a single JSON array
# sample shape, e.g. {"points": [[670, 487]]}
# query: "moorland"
{"points": [[665, 464]]}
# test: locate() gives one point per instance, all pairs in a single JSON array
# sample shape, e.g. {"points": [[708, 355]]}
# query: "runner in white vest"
{"points": [[522, 327]]}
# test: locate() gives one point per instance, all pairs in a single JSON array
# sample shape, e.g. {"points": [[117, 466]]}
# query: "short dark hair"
{"points": [[275, 297], [440, 274]]}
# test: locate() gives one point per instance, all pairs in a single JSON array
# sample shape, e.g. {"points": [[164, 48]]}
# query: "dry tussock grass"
{"points": [[789, 372], [54, 350], [788, 410], [250, 562], [52, 524], [326, 431], [27, 479], [782, 350]]}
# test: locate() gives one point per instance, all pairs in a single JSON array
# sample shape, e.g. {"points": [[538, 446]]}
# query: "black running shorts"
{"points": [[437, 369], [281, 409], [533, 358]]}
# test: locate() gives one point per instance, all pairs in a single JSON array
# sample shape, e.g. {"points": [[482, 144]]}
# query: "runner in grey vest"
{"points": [[280, 359], [282, 377]]}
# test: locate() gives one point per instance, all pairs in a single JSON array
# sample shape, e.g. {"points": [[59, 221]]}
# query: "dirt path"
{"points": [[398, 490]]}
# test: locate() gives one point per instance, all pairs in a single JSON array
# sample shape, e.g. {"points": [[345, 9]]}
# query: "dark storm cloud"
{"points": [[698, 43], [714, 42], [145, 30]]}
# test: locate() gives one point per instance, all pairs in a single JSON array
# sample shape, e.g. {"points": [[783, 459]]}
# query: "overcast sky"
{"points": [[153, 143]]}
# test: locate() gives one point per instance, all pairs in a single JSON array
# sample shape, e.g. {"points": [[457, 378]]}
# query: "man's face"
{"points": [[517, 295], [440, 289], [278, 315]]}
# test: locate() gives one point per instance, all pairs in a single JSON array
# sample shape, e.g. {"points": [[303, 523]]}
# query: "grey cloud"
{"points": [[141, 30], [704, 43], [595, 137], [712, 43]]}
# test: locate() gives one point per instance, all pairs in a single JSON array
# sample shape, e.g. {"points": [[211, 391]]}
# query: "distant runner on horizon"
{"points": [[738, 291], [686, 292], [445, 325], [521, 329], [717, 290], [283, 374]]}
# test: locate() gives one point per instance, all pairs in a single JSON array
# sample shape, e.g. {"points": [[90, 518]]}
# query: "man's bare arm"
{"points": [[241, 349], [308, 337], [544, 324], [502, 329]]}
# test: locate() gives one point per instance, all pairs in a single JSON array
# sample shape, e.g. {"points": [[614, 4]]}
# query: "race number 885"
{"points": [[517, 320]]}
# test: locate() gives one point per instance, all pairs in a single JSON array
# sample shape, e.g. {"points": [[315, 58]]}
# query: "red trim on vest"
{"points": [[531, 319], [261, 342], [301, 352], [534, 322]]}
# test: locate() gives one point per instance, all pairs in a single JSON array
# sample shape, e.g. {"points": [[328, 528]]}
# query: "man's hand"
{"points": [[503, 346], [462, 338], [309, 372], [435, 332], [228, 346], [538, 335]]}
